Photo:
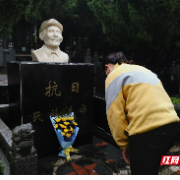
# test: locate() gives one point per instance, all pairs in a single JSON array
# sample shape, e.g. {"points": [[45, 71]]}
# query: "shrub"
{"points": [[175, 100], [1, 168]]}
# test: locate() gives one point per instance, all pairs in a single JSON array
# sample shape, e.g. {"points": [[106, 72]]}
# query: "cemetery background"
{"points": [[90, 41]]}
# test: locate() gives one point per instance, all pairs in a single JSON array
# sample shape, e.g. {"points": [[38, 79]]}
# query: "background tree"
{"points": [[10, 13], [147, 30], [146, 27], [76, 17], [46, 9]]}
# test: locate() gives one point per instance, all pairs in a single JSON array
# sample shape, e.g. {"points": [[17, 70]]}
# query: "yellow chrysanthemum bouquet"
{"points": [[66, 130]]}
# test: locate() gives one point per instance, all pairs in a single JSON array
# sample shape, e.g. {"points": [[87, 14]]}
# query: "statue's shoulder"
{"points": [[64, 56], [37, 54], [37, 51]]}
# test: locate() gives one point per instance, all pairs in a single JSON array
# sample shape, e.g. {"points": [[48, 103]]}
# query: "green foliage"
{"points": [[133, 24], [46, 9], [76, 17], [175, 100], [64, 111], [1, 168], [10, 13]]}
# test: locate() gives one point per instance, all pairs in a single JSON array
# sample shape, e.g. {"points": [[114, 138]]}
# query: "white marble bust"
{"points": [[51, 33]]}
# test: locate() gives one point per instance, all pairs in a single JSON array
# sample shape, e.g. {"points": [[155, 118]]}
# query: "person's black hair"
{"points": [[117, 57]]}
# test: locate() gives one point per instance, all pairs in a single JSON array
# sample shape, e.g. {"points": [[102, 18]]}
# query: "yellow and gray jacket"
{"points": [[136, 102]]}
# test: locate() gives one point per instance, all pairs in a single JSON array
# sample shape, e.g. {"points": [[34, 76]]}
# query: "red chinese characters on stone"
{"points": [[170, 160]]}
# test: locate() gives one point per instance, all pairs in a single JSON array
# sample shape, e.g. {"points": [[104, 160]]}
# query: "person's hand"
{"points": [[125, 154]]}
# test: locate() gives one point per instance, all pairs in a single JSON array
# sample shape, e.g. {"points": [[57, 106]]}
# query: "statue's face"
{"points": [[53, 36]]}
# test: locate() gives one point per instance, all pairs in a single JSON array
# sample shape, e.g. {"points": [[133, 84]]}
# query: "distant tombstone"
{"points": [[8, 54], [11, 52], [88, 58], [1, 56]]}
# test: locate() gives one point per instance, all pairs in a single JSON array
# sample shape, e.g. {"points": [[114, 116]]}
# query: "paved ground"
{"points": [[98, 158]]}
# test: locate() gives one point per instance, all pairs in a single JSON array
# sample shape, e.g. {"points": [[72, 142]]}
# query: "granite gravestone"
{"points": [[35, 89]]}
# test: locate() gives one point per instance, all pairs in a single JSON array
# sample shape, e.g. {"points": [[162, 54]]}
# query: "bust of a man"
{"points": [[51, 33]]}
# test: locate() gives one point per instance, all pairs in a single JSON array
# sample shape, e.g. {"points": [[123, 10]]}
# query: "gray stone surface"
{"points": [[5, 163], [5, 135], [24, 158], [26, 166], [23, 142]]}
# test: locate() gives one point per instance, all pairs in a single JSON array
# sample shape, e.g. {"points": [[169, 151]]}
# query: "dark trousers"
{"points": [[146, 149]]}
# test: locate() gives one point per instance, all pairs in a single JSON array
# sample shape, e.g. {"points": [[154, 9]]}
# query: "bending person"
{"points": [[140, 114]]}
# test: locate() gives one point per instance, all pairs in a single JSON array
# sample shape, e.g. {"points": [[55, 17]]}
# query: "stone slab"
{"points": [[5, 135]]}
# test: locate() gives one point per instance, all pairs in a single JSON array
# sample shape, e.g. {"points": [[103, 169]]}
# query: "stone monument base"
{"points": [[35, 89]]}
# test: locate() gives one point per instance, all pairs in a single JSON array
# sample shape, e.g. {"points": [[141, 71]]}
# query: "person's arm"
{"points": [[115, 105]]}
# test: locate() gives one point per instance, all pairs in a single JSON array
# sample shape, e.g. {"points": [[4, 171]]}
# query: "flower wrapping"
{"points": [[65, 142]]}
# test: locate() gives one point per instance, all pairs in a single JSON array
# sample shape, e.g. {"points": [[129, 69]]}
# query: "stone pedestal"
{"points": [[35, 89]]}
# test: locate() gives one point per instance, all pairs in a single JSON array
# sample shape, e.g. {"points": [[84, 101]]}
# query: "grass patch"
{"points": [[1, 168]]}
